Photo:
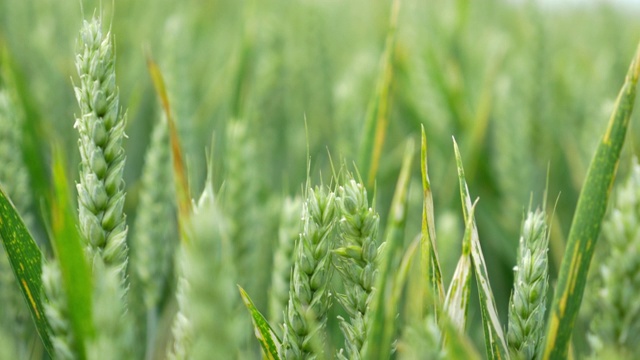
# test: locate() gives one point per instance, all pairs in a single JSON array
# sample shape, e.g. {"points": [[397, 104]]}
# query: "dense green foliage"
{"points": [[281, 94]]}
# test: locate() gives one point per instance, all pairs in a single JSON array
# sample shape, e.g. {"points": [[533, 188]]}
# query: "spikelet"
{"points": [[355, 259], [527, 303], [101, 130], [309, 298]]}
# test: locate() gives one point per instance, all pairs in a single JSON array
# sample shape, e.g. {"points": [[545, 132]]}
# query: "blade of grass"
{"points": [[378, 342], [585, 228], [429, 255], [456, 303], [179, 170], [377, 120], [26, 261], [494, 335], [266, 336], [68, 247]]}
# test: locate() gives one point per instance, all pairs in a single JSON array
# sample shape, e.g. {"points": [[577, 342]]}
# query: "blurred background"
{"points": [[525, 87]]}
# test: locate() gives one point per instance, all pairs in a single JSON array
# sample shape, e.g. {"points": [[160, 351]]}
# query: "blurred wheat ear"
{"points": [[615, 311]]}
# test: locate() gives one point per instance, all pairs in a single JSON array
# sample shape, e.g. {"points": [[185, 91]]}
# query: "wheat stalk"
{"points": [[356, 261], [101, 130], [527, 304], [309, 297]]}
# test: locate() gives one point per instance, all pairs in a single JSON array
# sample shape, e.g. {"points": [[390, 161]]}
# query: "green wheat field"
{"points": [[319, 179]]}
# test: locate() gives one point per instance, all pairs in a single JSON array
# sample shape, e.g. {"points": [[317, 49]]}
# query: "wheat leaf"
{"points": [[587, 220], [430, 263], [494, 335], [26, 261], [264, 333], [378, 342], [67, 243], [179, 169], [456, 303], [377, 117]]}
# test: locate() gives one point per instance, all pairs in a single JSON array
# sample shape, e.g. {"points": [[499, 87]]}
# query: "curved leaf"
{"points": [[26, 261], [495, 340], [264, 333]]}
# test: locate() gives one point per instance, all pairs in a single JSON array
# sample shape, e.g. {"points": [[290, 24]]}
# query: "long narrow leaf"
{"points": [[429, 255], [494, 335], [264, 333], [67, 244], [587, 220], [376, 121], [378, 342], [456, 303], [179, 170], [26, 261]]}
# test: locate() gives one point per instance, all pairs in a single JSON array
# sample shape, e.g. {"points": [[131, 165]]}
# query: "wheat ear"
{"points": [[309, 298], [101, 130], [356, 261], [527, 304]]}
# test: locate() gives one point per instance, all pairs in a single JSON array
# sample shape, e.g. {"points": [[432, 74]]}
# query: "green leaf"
{"points": [[494, 335], [377, 117], [67, 244], [585, 228], [179, 169], [430, 263], [264, 333], [26, 261], [456, 303], [384, 307]]}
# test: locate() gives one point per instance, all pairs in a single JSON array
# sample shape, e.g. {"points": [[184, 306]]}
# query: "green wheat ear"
{"points": [[615, 322], [527, 304], [101, 131], [356, 260], [309, 299], [207, 321]]}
